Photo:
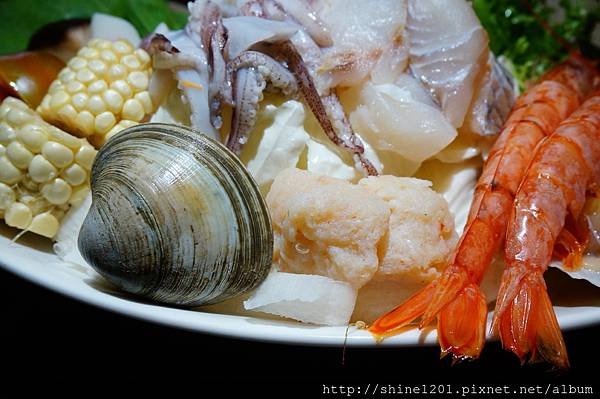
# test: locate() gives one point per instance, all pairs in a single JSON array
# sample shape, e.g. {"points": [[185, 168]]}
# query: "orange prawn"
{"points": [[455, 297], [565, 166]]}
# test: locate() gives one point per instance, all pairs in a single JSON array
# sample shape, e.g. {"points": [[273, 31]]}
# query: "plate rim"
{"points": [[266, 331]]}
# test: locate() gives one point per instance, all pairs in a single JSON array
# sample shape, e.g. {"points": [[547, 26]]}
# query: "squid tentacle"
{"points": [[213, 36], [248, 86], [270, 69], [327, 109]]}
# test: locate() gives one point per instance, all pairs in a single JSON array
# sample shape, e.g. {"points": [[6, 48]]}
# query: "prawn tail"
{"points": [[528, 324], [392, 322], [461, 324], [449, 285]]}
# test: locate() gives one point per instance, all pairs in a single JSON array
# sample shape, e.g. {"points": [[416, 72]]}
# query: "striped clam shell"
{"points": [[175, 218]]}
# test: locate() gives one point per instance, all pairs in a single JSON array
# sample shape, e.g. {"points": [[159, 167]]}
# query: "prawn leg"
{"points": [[391, 322]]}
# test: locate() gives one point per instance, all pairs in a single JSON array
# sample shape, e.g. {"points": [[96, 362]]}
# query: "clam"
{"points": [[175, 218]]}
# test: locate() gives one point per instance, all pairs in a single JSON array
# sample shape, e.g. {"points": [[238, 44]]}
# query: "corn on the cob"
{"points": [[101, 91], [43, 170]]}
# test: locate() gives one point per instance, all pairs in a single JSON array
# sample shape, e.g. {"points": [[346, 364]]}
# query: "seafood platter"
{"points": [[320, 172]]}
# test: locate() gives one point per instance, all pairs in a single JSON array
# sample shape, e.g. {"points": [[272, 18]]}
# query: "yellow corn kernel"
{"points": [[34, 137], [36, 203], [17, 116], [122, 87], [88, 52], [144, 99], [18, 155], [64, 138], [124, 124], [96, 105], [43, 170], [18, 215], [143, 57], [56, 192], [44, 224], [9, 174], [106, 83], [117, 72], [85, 157], [133, 110], [79, 101], [74, 175], [104, 122], [109, 57], [58, 154], [98, 67], [76, 64], [7, 134], [85, 76], [122, 47], [75, 87], [7, 197], [67, 111], [85, 121], [114, 100], [98, 87], [132, 62]]}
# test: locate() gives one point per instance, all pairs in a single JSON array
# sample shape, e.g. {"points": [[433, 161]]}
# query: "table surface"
{"points": [[42, 329]]}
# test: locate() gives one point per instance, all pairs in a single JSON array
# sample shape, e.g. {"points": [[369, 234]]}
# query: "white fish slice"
{"points": [[307, 298], [401, 118], [362, 32], [448, 51]]}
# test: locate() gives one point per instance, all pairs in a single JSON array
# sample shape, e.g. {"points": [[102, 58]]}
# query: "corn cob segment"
{"points": [[101, 91], [43, 170]]}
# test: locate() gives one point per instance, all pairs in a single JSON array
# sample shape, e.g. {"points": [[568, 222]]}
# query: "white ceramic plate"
{"points": [[32, 258]]}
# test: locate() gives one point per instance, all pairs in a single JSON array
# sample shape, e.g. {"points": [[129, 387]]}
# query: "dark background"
{"points": [[52, 341]]}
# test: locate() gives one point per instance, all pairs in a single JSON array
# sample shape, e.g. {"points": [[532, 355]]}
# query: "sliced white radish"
{"points": [[307, 298], [109, 27]]}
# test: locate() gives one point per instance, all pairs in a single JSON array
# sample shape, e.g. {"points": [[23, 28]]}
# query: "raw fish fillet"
{"points": [[403, 119], [448, 52], [362, 33]]}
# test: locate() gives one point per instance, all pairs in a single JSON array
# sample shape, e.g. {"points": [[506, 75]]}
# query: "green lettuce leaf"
{"points": [[22, 18], [530, 48]]}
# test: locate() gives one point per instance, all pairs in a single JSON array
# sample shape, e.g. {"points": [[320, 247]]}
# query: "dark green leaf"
{"points": [[22, 18], [515, 32]]}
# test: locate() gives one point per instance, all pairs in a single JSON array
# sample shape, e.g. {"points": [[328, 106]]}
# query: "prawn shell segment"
{"points": [[552, 193]]}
